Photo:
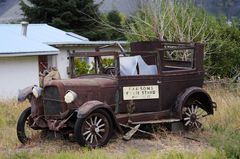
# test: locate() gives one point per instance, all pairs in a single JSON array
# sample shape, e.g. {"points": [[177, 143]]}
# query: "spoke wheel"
{"points": [[192, 115], [95, 130], [25, 133]]}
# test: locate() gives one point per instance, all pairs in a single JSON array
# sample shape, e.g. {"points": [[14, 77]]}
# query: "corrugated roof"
{"points": [[17, 45], [45, 34], [39, 36]]}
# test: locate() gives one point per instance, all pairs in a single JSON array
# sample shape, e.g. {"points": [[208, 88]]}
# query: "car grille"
{"points": [[52, 104]]}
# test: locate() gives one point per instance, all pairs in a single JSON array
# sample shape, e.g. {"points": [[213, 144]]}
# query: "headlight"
{"points": [[37, 91], [70, 96]]}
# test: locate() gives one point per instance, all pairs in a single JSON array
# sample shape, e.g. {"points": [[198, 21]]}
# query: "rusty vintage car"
{"points": [[156, 82]]}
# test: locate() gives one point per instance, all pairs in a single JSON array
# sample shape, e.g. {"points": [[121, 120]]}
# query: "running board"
{"points": [[156, 121]]}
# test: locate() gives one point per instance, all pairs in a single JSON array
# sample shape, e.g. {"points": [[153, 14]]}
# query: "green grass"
{"points": [[221, 131], [103, 154]]}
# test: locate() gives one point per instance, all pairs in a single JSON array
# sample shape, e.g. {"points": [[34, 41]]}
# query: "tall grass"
{"points": [[9, 113], [224, 126], [227, 115], [222, 131]]}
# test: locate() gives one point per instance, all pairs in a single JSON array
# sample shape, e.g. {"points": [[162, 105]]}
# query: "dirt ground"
{"points": [[193, 142]]}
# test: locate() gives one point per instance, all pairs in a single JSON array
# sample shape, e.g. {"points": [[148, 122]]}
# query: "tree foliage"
{"points": [[170, 20], [183, 21], [224, 58], [69, 15], [81, 66], [111, 25]]}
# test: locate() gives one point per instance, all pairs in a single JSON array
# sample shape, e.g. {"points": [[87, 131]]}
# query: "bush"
{"points": [[81, 66], [184, 22], [224, 58]]}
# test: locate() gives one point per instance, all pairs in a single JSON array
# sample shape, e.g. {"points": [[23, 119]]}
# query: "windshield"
{"points": [[94, 65]]}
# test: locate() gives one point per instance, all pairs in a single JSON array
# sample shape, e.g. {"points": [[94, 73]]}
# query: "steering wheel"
{"points": [[109, 71]]}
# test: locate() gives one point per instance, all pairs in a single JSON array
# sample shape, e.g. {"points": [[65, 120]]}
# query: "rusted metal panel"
{"points": [[199, 49], [145, 46], [90, 106], [197, 92]]}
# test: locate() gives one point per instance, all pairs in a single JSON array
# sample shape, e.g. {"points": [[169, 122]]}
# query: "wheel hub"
{"points": [[193, 117], [94, 129], [97, 130]]}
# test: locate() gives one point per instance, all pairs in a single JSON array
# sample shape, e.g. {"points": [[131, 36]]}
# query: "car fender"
{"points": [[197, 93], [84, 110], [24, 93]]}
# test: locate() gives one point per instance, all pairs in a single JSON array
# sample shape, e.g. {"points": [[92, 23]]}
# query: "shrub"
{"points": [[81, 66], [183, 21]]}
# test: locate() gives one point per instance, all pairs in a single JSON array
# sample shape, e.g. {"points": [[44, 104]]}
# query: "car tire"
{"points": [[22, 121], [95, 130]]}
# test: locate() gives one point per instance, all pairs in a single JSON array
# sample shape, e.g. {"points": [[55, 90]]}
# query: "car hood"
{"points": [[85, 82], [87, 88]]}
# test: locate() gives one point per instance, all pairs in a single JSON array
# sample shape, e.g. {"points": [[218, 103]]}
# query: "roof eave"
{"points": [[17, 54], [90, 43]]}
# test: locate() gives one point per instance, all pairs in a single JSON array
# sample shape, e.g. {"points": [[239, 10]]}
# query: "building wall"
{"points": [[62, 63], [17, 73]]}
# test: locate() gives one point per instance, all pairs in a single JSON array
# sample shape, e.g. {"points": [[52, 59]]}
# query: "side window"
{"points": [[138, 65], [179, 59]]}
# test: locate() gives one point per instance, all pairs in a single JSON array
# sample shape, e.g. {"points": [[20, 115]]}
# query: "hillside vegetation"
{"points": [[220, 137]]}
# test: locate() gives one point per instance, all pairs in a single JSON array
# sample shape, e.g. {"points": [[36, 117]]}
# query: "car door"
{"points": [[178, 73], [138, 86]]}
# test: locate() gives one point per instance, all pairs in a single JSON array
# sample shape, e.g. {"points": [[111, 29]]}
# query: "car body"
{"points": [[156, 82]]}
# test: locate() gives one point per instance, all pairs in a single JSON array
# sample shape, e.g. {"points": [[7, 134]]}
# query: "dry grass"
{"points": [[228, 111], [223, 129], [9, 114], [221, 132]]}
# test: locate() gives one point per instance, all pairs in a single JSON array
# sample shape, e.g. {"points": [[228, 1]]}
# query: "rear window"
{"points": [[177, 59]]}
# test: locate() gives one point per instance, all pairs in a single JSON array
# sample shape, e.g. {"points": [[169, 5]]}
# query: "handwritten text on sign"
{"points": [[141, 92]]}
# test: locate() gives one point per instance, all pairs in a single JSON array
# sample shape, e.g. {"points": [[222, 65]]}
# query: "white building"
{"points": [[19, 62], [23, 57]]}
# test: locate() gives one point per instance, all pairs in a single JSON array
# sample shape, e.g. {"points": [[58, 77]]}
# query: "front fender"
{"points": [[195, 93], [24, 93], [87, 108]]}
